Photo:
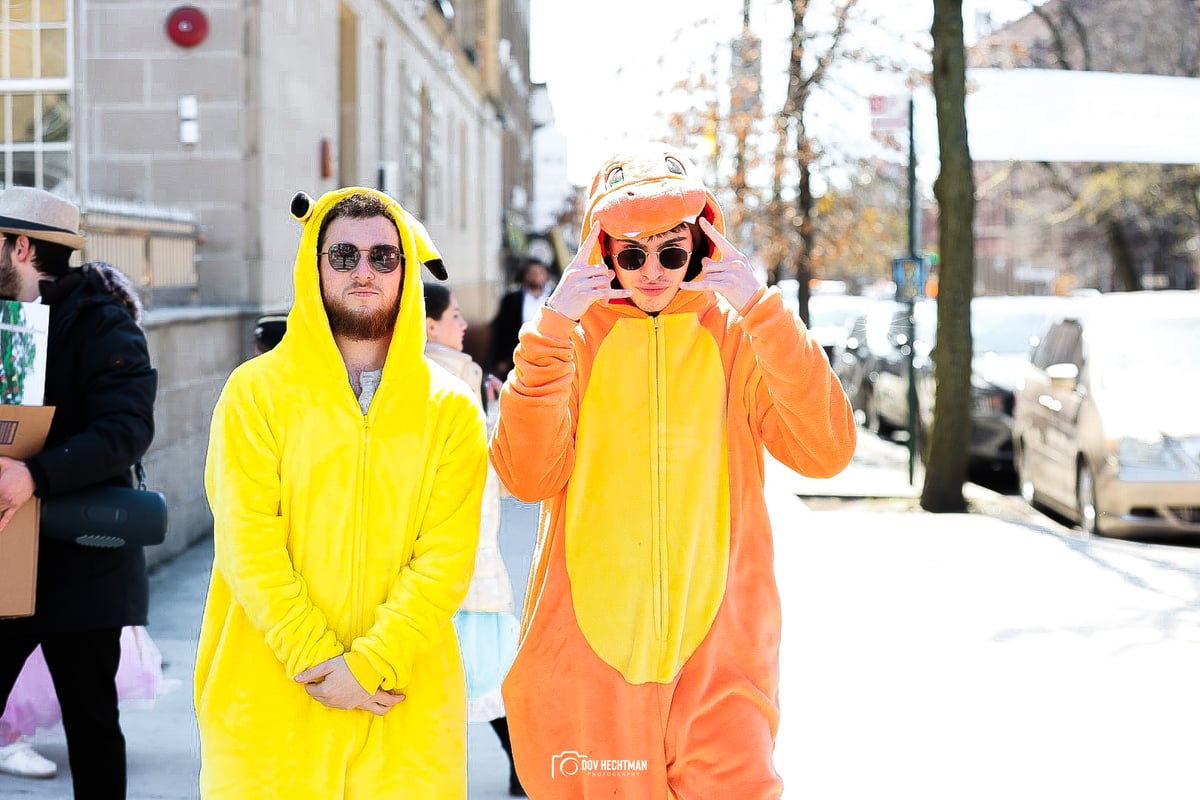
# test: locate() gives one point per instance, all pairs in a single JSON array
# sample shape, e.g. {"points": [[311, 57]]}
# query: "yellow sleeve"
{"points": [[533, 446], [803, 415], [431, 587], [241, 477]]}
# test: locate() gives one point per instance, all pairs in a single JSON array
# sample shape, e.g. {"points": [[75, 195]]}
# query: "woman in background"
{"points": [[486, 625]]}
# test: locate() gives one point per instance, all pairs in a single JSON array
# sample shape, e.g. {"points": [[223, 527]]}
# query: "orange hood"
{"points": [[646, 189]]}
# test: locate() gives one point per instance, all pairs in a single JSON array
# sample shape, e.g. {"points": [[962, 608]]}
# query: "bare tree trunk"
{"points": [[778, 219], [946, 466], [1122, 256], [805, 203], [800, 86], [798, 90]]}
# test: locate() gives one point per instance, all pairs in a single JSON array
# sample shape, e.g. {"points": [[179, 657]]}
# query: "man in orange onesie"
{"points": [[641, 400]]}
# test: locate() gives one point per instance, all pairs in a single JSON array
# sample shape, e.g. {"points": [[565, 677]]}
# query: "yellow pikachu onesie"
{"points": [[339, 533]]}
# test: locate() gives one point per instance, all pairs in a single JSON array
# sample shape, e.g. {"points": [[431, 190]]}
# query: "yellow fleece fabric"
{"points": [[338, 533]]}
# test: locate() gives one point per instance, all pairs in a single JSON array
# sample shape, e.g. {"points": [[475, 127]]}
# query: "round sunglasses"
{"points": [[670, 257], [344, 257]]}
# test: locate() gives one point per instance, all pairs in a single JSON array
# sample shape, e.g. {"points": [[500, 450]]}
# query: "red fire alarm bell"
{"points": [[187, 26]]}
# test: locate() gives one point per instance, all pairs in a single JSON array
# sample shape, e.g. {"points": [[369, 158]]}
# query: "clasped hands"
{"points": [[332, 684], [584, 283]]}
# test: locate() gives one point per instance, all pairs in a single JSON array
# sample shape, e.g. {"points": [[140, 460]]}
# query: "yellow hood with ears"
{"points": [[645, 189], [308, 325]]}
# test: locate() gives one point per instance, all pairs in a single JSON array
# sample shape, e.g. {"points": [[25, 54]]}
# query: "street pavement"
{"points": [[991, 654]]}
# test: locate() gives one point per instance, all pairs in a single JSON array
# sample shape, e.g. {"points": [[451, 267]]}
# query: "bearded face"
{"points": [[362, 303], [354, 321]]}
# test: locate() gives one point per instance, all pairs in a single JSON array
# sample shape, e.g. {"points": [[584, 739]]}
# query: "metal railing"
{"points": [[155, 247]]}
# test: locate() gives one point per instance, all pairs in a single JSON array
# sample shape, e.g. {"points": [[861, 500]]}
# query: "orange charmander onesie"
{"points": [[648, 663]]}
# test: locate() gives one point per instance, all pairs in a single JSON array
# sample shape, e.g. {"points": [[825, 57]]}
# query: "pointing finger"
{"points": [[712, 232], [593, 235], [588, 245]]}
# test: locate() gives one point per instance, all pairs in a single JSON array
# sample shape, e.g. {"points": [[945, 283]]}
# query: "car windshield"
{"points": [[1007, 333], [1149, 351], [835, 311]]}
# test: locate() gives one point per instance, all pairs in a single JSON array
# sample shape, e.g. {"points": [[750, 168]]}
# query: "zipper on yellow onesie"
{"points": [[658, 542], [362, 516]]}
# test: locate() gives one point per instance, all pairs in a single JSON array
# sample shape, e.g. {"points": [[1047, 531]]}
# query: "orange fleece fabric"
{"points": [[648, 664]]}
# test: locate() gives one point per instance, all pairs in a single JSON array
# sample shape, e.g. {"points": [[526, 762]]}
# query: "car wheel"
{"points": [[870, 414], [860, 401], [1085, 500], [875, 423], [1025, 476]]}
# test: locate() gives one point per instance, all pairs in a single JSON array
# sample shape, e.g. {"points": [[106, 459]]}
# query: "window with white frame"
{"points": [[412, 142], [35, 94]]}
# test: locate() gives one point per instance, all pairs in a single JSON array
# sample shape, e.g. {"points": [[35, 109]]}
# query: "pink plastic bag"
{"points": [[33, 705]]}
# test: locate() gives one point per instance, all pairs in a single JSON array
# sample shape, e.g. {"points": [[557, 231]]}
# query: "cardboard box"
{"points": [[24, 423], [23, 431]]}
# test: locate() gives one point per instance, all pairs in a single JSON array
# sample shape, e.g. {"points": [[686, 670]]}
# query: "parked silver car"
{"points": [[1004, 331], [1106, 424]]}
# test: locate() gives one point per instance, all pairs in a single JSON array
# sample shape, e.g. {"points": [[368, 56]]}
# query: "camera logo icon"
{"points": [[566, 763]]}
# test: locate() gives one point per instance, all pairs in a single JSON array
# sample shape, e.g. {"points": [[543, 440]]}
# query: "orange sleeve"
{"points": [[803, 415], [533, 446]]}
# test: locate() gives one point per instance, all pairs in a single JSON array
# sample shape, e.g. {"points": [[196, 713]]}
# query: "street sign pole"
{"points": [[909, 277], [908, 271], [914, 213]]}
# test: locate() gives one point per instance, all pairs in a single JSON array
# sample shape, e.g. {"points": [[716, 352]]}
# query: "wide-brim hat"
{"points": [[38, 214]]}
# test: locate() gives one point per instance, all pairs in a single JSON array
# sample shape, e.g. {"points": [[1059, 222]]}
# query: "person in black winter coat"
{"points": [[516, 308], [102, 385]]}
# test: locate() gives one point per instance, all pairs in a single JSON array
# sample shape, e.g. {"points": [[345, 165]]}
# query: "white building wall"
{"points": [[397, 53], [266, 81], [552, 189], [293, 107], [129, 78]]}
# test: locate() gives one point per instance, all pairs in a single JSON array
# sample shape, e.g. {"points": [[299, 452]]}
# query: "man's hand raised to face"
{"points": [[730, 277], [582, 283]]}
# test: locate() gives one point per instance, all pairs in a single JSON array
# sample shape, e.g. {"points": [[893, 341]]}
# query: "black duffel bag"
{"points": [[107, 516]]}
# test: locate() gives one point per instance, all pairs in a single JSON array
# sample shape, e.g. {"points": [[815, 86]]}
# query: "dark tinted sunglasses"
{"points": [[671, 257], [344, 256]]}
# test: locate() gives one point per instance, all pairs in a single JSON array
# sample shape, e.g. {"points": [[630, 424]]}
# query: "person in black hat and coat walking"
{"points": [[101, 382]]}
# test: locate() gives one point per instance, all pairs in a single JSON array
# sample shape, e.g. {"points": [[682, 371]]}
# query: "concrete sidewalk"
{"points": [[981, 655], [163, 742]]}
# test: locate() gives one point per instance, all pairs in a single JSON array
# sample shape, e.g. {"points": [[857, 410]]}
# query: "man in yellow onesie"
{"points": [[641, 400], [345, 476]]}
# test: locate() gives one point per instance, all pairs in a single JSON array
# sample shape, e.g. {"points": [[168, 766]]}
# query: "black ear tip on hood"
{"points": [[437, 267], [301, 204]]}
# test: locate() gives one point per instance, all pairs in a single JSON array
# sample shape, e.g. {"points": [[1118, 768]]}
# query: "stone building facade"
{"points": [[201, 120]]}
